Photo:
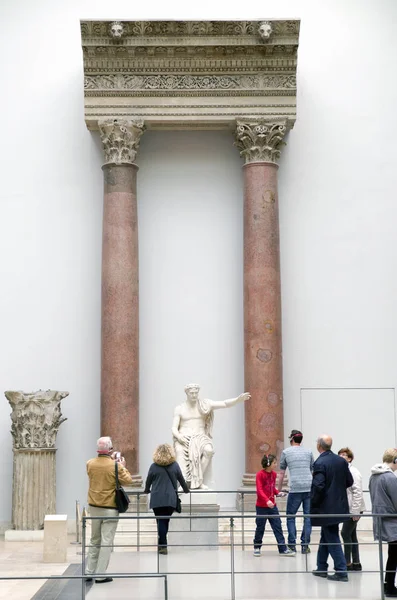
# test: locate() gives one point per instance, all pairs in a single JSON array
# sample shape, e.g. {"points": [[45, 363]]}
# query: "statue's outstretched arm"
{"points": [[231, 402]]}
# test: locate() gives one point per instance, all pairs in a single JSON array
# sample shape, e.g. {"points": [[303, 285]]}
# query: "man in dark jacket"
{"points": [[331, 478]]}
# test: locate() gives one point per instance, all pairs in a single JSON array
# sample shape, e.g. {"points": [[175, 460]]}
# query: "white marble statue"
{"points": [[192, 433]]}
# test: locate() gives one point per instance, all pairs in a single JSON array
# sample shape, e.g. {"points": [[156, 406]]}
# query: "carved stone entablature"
{"points": [[120, 139], [261, 140], [35, 418], [148, 69]]}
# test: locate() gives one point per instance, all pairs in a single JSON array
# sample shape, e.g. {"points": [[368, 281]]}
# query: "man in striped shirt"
{"points": [[299, 462]]}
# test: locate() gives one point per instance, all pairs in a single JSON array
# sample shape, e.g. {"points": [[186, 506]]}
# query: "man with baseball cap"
{"points": [[299, 462], [102, 501]]}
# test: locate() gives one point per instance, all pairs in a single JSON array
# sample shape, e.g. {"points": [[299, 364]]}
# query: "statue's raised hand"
{"points": [[244, 397]]}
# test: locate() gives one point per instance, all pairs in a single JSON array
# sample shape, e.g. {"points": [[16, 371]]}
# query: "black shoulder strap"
{"points": [[170, 479], [117, 474]]}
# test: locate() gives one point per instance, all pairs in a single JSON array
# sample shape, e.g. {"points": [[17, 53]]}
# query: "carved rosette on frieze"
{"points": [[260, 140], [120, 139], [35, 418]]}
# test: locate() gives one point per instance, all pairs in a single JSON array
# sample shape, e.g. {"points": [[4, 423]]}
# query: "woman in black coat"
{"points": [[162, 484]]}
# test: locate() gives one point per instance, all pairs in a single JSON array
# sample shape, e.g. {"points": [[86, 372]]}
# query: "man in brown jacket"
{"points": [[102, 502]]}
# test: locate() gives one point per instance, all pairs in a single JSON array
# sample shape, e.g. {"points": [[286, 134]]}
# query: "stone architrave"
{"points": [[260, 142], [35, 420], [120, 317]]}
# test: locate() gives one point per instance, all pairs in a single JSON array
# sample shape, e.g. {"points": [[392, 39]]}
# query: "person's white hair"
{"points": [[104, 445]]}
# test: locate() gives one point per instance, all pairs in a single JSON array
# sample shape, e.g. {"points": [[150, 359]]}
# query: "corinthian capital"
{"points": [[35, 418], [260, 140], [120, 139]]}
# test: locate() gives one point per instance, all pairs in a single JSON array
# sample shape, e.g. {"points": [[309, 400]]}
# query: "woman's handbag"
{"points": [[122, 500], [178, 507]]}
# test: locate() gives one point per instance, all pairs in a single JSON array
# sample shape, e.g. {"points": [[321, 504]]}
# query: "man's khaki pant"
{"points": [[102, 536]]}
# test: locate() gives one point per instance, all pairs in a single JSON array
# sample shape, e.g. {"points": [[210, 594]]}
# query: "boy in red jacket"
{"points": [[266, 492]]}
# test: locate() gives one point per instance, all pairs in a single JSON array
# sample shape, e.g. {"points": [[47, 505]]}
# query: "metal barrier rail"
{"points": [[232, 544], [240, 493]]}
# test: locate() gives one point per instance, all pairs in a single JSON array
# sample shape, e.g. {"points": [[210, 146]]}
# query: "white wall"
{"points": [[337, 220], [191, 287]]}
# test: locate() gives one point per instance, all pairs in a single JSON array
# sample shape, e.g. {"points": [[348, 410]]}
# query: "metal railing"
{"points": [[233, 545], [163, 573]]}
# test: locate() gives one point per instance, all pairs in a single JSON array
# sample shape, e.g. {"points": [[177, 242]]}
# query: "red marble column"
{"points": [[259, 143], [120, 295]]}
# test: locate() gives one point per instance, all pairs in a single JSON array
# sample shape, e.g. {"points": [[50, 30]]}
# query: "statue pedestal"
{"points": [[194, 533], [246, 498], [133, 496], [24, 535]]}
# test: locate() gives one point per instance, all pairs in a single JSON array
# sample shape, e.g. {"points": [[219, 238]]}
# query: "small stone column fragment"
{"points": [[120, 292], [35, 420], [259, 142]]}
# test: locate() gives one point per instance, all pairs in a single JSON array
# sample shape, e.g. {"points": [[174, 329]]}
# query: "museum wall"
{"points": [[337, 182]]}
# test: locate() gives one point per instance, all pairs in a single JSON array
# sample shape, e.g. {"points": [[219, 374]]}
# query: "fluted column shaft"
{"points": [[259, 143], [34, 488], [120, 292]]}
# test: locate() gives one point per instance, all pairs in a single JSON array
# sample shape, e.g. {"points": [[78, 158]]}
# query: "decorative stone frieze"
{"points": [[260, 140], [190, 28], [170, 72], [189, 82], [120, 139], [35, 420]]}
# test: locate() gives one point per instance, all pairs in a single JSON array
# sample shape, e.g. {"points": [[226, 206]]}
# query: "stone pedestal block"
{"points": [[134, 502], [55, 538], [196, 532], [19, 535]]}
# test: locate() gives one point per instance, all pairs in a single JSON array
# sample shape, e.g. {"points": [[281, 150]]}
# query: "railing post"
{"points": [[83, 535], [138, 523], [190, 511], [78, 517], [165, 587], [242, 521], [380, 547], [232, 581]]}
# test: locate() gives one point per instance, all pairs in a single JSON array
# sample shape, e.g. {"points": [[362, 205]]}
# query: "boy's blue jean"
{"points": [[275, 524], [294, 501]]}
